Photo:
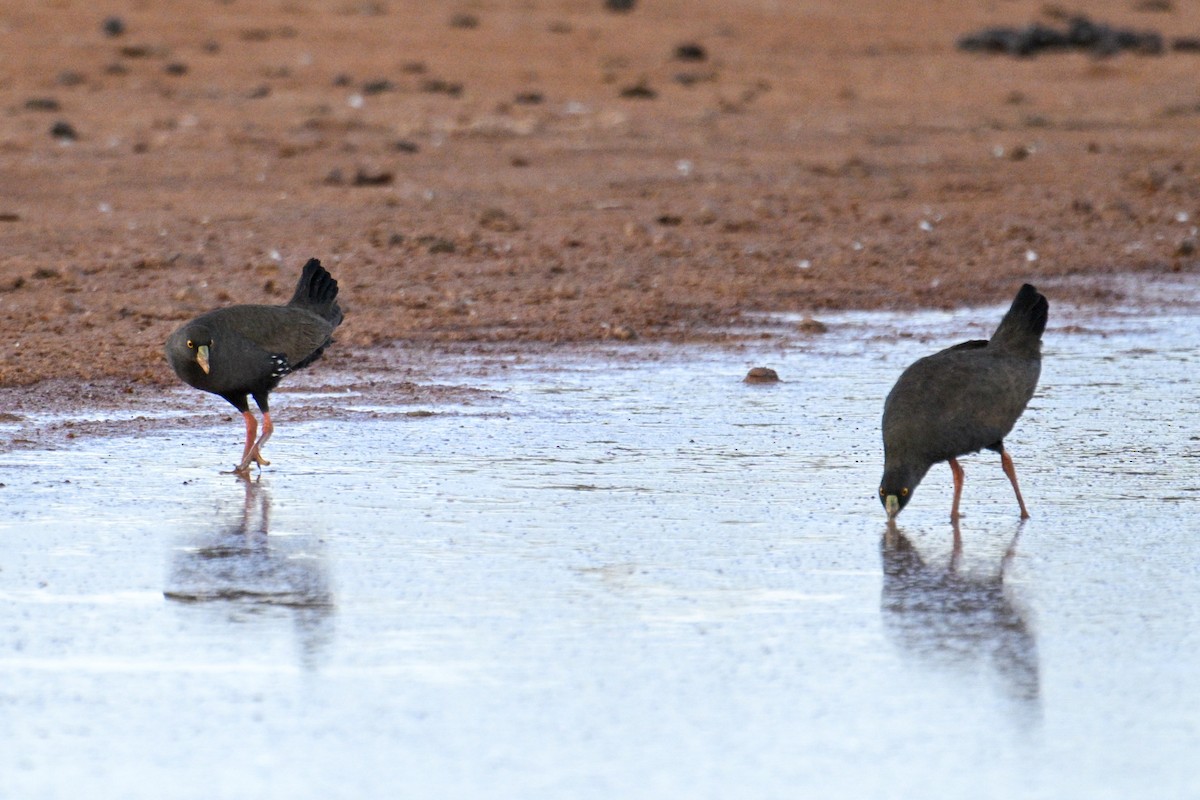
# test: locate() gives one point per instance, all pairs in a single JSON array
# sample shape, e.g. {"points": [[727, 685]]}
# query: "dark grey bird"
{"points": [[245, 350], [964, 399]]}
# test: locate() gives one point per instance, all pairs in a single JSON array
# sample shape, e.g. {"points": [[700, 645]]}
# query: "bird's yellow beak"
{"points": [[202, 357], [892, 504]]}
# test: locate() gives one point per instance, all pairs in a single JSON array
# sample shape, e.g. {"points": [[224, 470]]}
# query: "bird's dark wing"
{"points": [[295, 333], [957, 401]]}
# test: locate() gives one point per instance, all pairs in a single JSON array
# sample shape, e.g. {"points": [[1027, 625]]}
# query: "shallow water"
{"points": [[623, 579]]}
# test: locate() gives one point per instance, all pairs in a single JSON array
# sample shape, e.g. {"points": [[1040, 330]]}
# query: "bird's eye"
{"points": [[191, 344], [904, 492], [881, 491]]}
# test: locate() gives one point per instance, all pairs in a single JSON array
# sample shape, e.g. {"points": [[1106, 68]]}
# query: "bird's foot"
{"points": [[243, 469]]}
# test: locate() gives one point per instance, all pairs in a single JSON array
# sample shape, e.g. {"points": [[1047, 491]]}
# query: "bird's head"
{"points": [[191, 344], [896, 488]]}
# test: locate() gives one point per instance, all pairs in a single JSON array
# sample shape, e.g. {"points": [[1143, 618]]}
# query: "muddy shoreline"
{"points": [[532, 174]]}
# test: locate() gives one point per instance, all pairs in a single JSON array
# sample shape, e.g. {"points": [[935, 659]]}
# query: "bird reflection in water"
{"points": [[942, 616], [241, 564]]}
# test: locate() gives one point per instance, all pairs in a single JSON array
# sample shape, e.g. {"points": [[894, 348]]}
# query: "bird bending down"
{"points": [[243, 351], [962, 400]]}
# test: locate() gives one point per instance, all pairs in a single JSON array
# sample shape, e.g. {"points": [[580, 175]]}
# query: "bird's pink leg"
{"points": [[1011, 472], [248, 450], [267, 430], [958, 487]]}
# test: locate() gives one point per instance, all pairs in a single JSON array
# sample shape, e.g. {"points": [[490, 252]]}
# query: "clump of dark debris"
{"points": [[1081, 34]]}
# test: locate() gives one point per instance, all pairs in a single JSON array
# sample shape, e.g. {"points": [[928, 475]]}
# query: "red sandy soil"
{"points": [[524, 171]]}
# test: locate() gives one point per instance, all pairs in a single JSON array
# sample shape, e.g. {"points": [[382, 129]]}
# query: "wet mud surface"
{"points": [[556, 172], [628, 573]]}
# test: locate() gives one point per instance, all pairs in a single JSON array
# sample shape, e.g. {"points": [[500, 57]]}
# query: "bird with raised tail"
{"points": [[961, 400], [244, 351]]}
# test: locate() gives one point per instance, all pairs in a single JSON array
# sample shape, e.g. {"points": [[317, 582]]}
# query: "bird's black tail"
{"points": [[317, 291], [1025, 321]]}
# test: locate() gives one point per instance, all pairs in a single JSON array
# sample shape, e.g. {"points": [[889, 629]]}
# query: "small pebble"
{"points": [[623, 333], [113, 26], [761, 375], [378, 86], [439, 86], [42, 104], [365, 177], [70, 77], [64, 130], [619, 6], [499, 220], [464, 21], [810, 325], [639, 91]]}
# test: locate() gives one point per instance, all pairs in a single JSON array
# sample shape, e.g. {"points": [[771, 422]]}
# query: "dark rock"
{"points": [[378, 86], [436, 244], [1081, 33], [529, 98], [639, 91], [135, 51], [365, 177], [406, 146], [176, 68], [64, 130], [42, 104], [690, 51], [619, 6], [113, 26], [1186, 44]]}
